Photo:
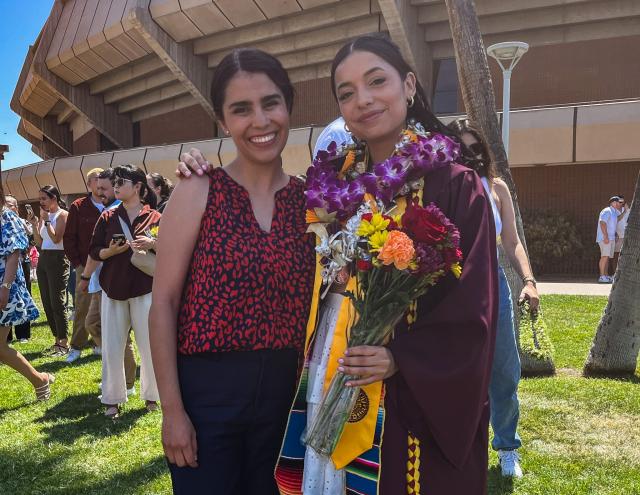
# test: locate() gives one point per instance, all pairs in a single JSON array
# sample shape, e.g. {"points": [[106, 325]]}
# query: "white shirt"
{"points": [[608, 215], [47, 242], [622, 223], [94, 282]]}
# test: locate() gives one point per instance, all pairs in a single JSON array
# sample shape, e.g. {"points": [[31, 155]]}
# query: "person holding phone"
{"points": [[126, 291], [53, 266], [89, 283]]}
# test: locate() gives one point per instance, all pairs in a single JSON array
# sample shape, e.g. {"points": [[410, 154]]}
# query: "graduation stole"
{"points": [[359, 431]]}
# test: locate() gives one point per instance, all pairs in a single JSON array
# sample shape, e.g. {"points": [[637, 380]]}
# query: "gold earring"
{"points": [[410, 101]]}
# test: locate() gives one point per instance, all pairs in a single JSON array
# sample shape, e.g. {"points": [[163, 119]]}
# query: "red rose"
{"points": [[363, 265], [423, 225]]}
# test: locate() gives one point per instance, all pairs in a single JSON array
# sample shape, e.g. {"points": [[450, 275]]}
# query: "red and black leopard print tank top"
{"points": [[248, 289]]}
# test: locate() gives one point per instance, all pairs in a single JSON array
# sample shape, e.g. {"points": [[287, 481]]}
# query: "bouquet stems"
{"points": [[325, 431]]}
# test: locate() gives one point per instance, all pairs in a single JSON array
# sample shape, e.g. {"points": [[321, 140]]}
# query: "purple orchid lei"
{"points": [[417, 153]]}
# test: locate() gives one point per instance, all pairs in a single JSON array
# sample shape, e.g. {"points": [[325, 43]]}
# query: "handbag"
{"points": [[145, 261]]}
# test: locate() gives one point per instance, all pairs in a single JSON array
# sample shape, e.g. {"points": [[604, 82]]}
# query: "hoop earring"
{"points": [[410, 101], [346, 128]]}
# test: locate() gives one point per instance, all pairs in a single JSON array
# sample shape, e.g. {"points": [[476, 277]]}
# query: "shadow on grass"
{"points": [[84, 417], [498, 484], [618, 377], [6, 410], [57, 363], [27, 474]]}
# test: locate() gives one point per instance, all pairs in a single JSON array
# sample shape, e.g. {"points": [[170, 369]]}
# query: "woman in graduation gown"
{"points": [[429, 435]]}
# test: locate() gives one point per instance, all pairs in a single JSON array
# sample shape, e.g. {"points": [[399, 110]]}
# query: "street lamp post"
{"points": [[507, 54]]}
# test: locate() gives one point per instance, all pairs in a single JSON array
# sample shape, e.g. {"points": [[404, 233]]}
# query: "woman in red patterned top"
{"points": [[232, 293]]}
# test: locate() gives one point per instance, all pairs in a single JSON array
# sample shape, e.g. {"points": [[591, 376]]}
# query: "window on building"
{"points": [[445, 94]]}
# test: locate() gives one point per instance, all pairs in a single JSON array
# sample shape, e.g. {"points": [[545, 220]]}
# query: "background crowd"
{"points": [[87, 239]]}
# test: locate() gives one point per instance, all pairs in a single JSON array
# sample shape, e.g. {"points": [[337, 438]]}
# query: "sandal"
{"points": [[43, 392], [50, 351], [112, 412], [151, 405], [61, 350]]}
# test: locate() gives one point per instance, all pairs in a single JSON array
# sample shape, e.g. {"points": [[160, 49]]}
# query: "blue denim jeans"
{"points": [[505, 375]]}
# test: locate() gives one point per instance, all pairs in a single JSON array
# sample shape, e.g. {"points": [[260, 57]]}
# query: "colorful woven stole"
{"points": [[358, 450]]}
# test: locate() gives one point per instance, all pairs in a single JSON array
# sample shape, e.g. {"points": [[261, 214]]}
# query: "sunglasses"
{"points": [[119, 182], [476, 148]]}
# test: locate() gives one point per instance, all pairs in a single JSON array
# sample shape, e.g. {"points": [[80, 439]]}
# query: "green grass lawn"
{"points": [[580, 436]]}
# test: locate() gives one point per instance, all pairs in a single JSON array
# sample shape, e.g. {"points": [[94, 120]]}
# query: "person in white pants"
{"points": [[126, 296]]}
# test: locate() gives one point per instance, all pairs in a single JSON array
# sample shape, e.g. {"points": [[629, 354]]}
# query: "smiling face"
{"points": [[372, 96], [105, 191], [255, 115]]}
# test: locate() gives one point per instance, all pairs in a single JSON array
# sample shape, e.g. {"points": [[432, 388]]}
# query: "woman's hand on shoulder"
{"points": [[193, 161], [369, 363]]}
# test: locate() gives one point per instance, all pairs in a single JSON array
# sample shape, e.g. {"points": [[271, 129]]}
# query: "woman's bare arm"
{"points": [[511, 242], [179, 230]]}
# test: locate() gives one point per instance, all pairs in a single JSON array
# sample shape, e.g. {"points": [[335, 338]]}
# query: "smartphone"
{"points": [[119, 238], [29, 210]]}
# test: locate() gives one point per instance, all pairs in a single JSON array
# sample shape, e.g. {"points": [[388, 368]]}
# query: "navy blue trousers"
{"points": [[238, 403]]}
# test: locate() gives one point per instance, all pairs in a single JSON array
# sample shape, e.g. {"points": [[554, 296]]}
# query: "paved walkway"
{"points": [[574, 288]]}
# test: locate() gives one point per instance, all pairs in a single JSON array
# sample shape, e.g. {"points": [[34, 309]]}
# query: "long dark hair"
{"points": [[483, 166], [253, 61], [388, 51], [137, 176], [165, 185], [52, 192]]}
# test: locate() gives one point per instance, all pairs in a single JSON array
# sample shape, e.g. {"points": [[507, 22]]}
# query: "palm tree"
{"points": [[614, 350], [479, 102]]}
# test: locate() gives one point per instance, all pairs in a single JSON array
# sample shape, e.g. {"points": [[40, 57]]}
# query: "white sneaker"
{"points": [[97, 351], [510, 463], [603, 279], [610, 280], [74, 355]]}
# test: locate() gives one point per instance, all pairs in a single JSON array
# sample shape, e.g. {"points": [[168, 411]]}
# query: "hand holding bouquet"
{"points": [[396, 260]]}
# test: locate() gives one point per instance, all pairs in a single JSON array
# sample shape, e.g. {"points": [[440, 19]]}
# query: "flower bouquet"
{"points": [[395, 258]]}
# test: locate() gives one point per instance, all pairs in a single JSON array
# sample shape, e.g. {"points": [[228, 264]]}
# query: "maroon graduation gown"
{"points": [[440, 393]]}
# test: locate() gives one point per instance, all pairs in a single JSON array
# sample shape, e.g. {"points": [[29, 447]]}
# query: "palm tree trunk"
{"points": [[614, 351], [479, 102]]}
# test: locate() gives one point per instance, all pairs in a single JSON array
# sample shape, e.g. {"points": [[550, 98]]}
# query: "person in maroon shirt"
{"points": [[83, 215], [126, 291], [232, 293]]}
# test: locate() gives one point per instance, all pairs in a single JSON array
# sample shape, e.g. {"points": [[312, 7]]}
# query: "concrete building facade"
{"points": [[117, 81]]}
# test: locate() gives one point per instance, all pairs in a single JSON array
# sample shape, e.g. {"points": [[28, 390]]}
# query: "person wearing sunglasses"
{"points": [[126, 290], [505, 374]]}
